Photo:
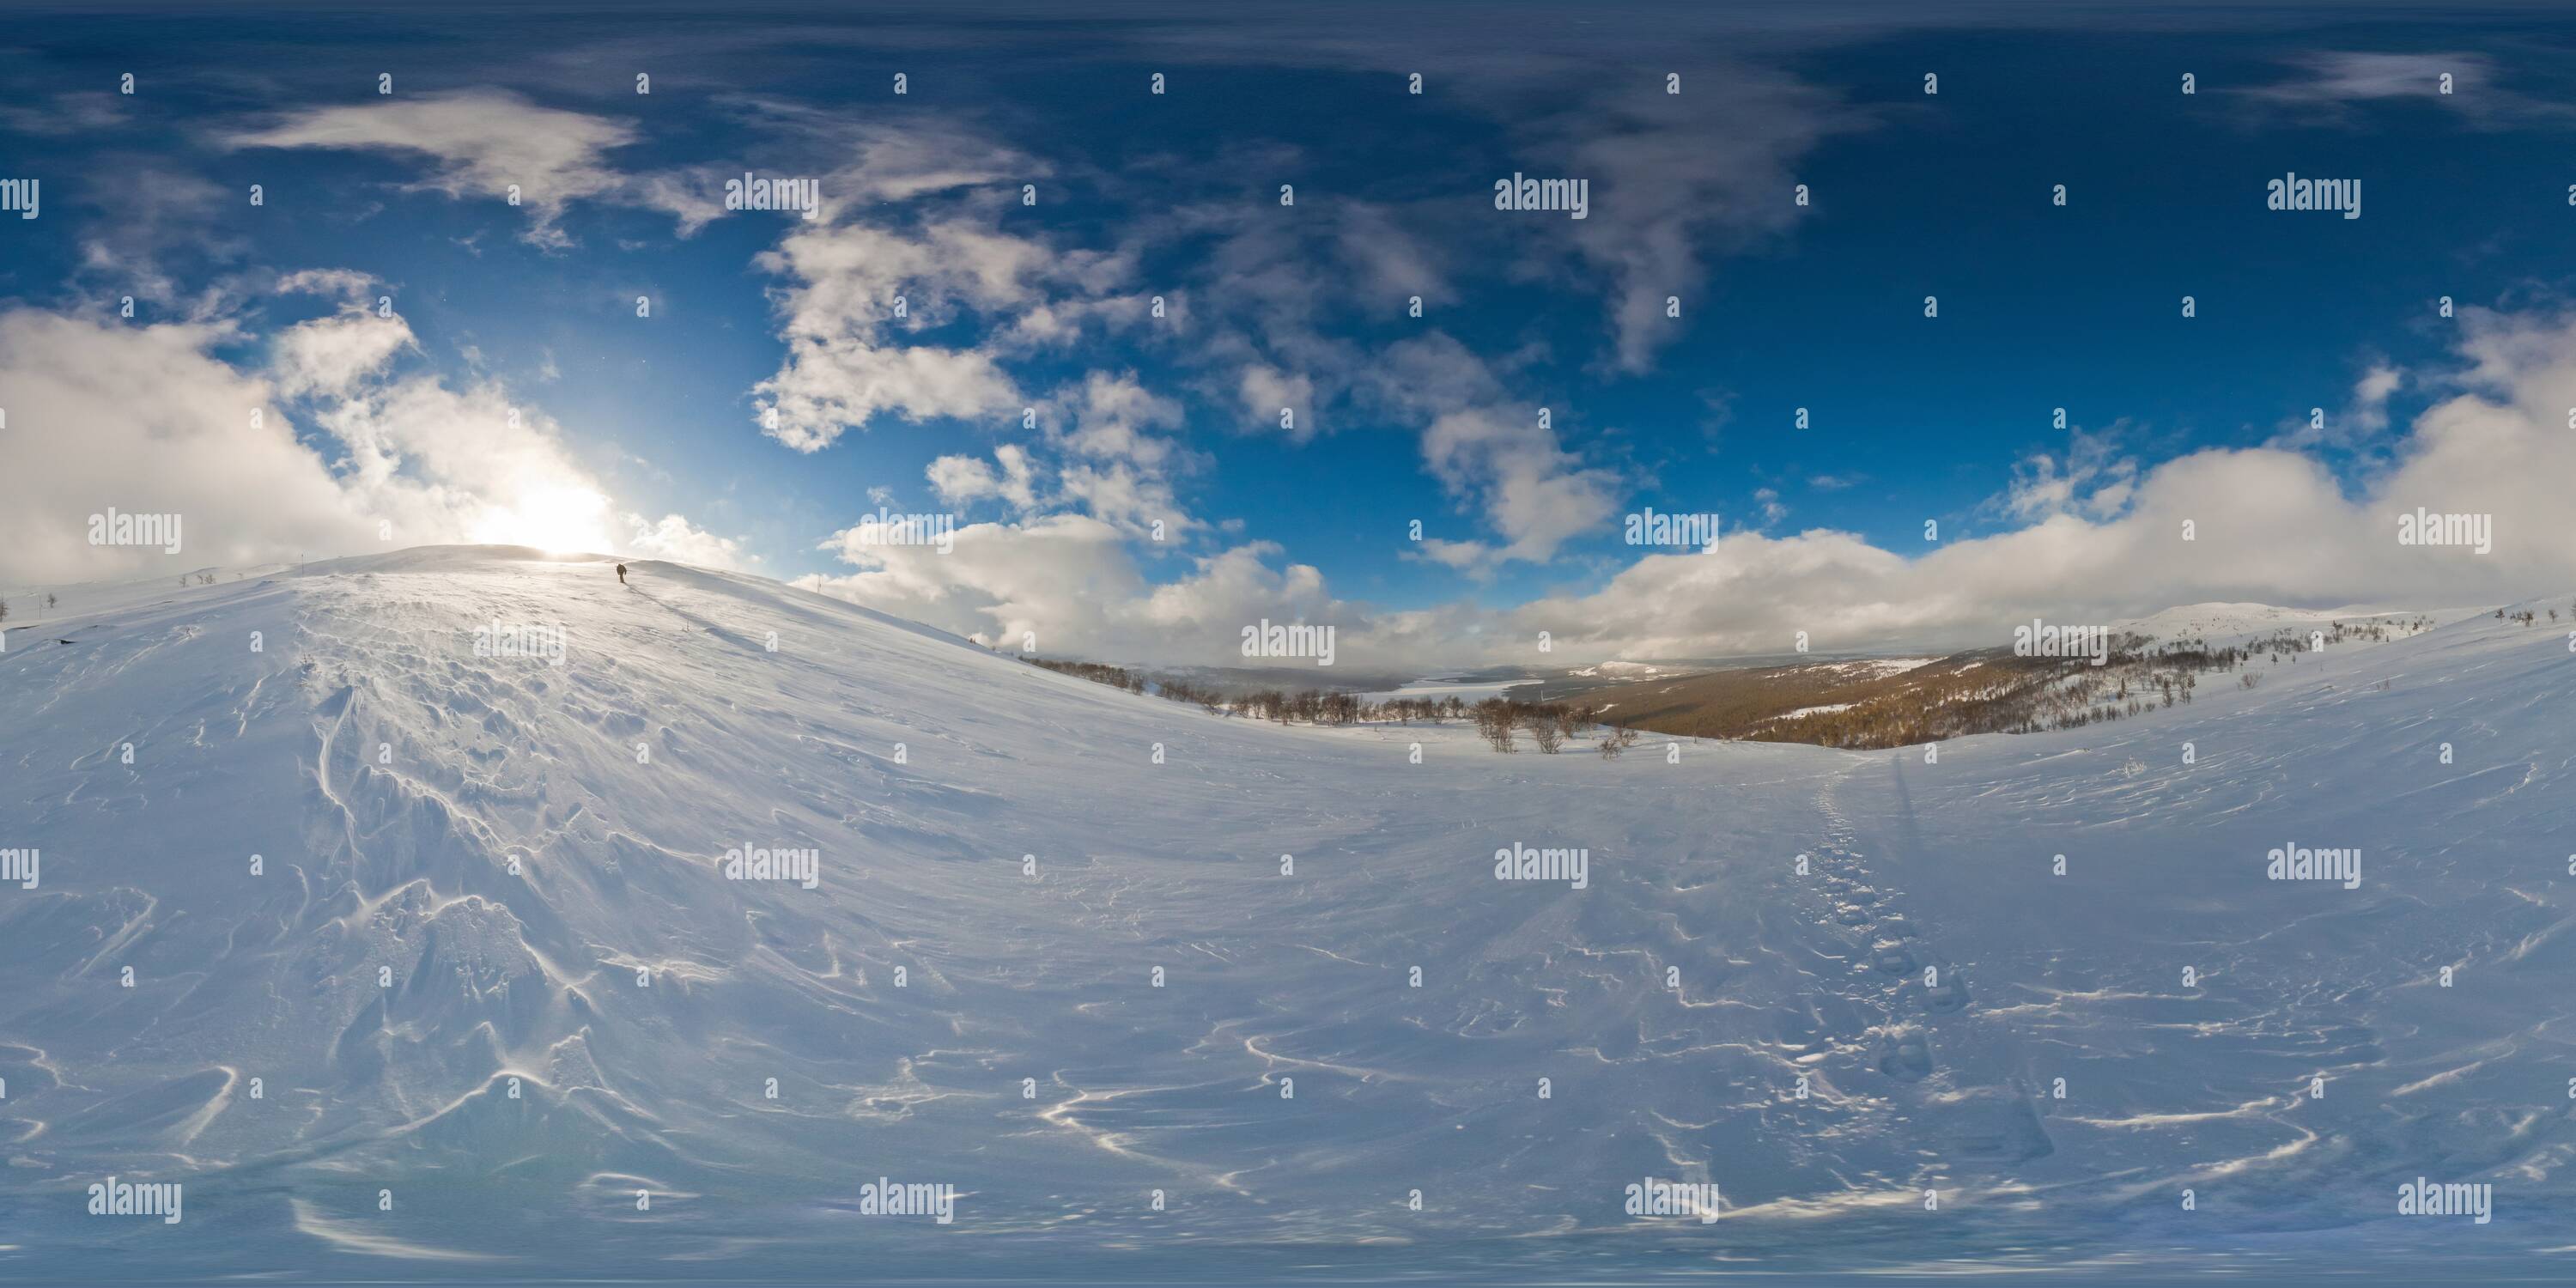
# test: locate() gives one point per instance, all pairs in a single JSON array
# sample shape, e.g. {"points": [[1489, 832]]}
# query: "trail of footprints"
{"points": [[1901, 1009], [1895, 975]]}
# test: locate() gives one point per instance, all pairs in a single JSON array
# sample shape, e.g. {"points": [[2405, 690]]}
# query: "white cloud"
{"points": [[1475, 558], [1281, 400], [1533, 492], [1113, 417], [2090, 478], [480, 142], [1675, 178], [848, 359], [1071, 582], [2096, 537], [150, 226], [1769, 501], [829, 385], [74, 112], [673, 537], [860, 290], [141, 419], [855, 163], [2360, 423], [2327, 86], [333, 355], [964, 480], [1122, 495], [1101, 457], [1258, 312], [2271, 525], [1494, 455], [147, 420], [2370, 394]]}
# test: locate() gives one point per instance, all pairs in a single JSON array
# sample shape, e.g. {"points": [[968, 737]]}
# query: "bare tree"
{"points": [[1543, 731]]}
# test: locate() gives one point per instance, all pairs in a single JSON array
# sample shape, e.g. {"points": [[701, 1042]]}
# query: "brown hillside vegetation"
{"points": [[1863, 705], [1856, 704]]}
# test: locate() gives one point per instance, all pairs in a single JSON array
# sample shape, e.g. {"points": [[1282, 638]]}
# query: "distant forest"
{"points": [[1986, 691]]}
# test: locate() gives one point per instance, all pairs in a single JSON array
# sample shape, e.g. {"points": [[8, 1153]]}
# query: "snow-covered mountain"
{"points": [[1140, 982], [2219, 626]]}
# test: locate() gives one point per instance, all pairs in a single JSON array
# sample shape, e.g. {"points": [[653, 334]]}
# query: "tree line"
{"points": [[1500, 721]]}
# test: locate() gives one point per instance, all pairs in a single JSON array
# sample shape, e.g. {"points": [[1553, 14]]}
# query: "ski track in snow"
{"points": [[513, 1085]]}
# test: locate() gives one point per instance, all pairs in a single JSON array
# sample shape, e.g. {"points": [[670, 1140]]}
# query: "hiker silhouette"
{"points": [[621, 574]]}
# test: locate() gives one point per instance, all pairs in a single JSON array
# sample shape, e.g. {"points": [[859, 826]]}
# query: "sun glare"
{"points": [[554, 517]]}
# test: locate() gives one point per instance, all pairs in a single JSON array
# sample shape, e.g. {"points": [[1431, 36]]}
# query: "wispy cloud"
{"points": [[483, 143], [2328, 88]]}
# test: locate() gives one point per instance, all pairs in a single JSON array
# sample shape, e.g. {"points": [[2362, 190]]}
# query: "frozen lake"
{"points": [[1463, 690]]}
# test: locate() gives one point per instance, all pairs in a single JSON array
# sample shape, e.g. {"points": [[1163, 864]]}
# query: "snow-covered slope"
{"points": [[469, 864], [2219, 626]]}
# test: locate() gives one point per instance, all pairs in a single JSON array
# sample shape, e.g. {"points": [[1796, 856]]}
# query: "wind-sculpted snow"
{"points": [[491, 979]]}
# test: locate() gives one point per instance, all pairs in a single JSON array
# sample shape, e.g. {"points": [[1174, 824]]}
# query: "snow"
{"points": [[1468, 691], [1883, 667], [389, 777], [1827, 709], [1871, 668], [2223, 625], [1631, 670]]}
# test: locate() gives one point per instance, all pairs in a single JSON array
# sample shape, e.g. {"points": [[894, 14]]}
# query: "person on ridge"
{"points": [[621, 574]]}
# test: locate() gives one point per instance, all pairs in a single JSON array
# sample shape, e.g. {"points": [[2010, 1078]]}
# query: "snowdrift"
{"points": [[386, 906]]}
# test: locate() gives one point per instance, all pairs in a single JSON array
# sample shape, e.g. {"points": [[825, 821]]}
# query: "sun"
{"points": [[558, 518]]}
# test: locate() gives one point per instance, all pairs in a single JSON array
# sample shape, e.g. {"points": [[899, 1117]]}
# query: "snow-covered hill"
{"points": [[2219, 626], [492, 982]]}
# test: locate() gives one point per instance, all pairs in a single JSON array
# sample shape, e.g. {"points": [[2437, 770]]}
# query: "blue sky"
{"points": [[1048, 306]]}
